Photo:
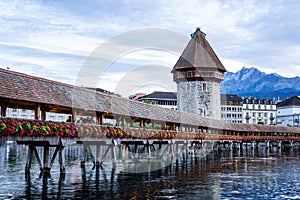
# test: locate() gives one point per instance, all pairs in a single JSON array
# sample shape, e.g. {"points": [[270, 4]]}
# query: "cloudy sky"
{"points": [[65, 40]]}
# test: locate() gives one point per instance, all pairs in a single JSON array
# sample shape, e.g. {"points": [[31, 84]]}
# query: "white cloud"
{"points": [[61, 35]]}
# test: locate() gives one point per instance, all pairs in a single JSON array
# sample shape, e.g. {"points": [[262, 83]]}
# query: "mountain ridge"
{"points": [[252, 82]]}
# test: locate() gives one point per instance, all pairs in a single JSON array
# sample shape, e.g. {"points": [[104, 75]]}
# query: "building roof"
{"points": [[293, 101], [102, 90], [198, 54], [230, 97], [253, 100], [161, 95]]}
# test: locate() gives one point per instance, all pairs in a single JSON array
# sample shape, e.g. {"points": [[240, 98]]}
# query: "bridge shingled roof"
{"points": [[23, 87]]}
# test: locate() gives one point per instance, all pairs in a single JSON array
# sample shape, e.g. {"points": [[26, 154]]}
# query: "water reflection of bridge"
{"points": [[228, 165], [183, 133]]}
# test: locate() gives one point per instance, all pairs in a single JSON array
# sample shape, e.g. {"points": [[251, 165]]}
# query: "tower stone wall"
{"points": [[198, 97]]}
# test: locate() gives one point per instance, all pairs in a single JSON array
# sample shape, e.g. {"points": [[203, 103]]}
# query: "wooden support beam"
{"points": [[37, 112], [117, 118], [61, 159], [82, 163], [46, 167], [43, 115], [99, 118], [113, 156], [37, 157], [3, 110], [91, 154], [29, 158], [153, 124], [123, 121], [54, 156], [74, 115]]}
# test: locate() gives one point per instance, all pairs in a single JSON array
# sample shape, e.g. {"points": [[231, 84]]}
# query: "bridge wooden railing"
{"points": [[45, 129]]}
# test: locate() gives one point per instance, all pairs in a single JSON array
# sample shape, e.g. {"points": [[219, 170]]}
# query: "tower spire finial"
{"points": [[198, 31]]}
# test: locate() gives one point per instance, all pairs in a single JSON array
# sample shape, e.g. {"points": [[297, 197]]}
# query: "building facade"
{"points": [[29, 114], [288, 112], [259, 111], [231, 108], [198, 73]]}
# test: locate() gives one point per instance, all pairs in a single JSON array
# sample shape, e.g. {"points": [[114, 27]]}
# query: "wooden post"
{"points": [[3, 110], [149, 151], [97, 156], [152, 124], [117, 120], [74, 115], [82, 163], [124, 152], [43, 116], [113, 155], [29, 158], [46, 168], [99, 118], [123, 121], [37, 157], [37, 112], [131, 122]]}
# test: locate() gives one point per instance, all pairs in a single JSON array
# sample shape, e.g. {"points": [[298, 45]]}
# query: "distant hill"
{"points": [[252, 82]]}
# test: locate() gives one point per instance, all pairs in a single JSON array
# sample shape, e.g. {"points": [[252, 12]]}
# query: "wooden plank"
{"points": [[32, 142], [91, 142]]}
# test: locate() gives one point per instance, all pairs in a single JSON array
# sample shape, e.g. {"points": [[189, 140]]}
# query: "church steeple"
{"points": [[198, 73]]}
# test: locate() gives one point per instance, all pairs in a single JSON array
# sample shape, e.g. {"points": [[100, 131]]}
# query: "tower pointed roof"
{"points": [[198, 54]]}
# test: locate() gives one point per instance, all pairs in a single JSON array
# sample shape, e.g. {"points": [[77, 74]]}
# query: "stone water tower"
{"points": [[198, 73]]}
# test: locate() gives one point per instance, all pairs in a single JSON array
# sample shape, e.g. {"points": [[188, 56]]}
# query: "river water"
{"points": [[249, 174]]}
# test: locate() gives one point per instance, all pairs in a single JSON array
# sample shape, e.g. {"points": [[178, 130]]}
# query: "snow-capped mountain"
{"points": [[252, 82]]}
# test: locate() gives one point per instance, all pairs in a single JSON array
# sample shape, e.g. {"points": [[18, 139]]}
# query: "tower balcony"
{"points": [[196, 75]]}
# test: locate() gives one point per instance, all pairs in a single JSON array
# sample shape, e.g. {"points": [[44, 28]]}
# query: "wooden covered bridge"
{"points": [[157, 126]]}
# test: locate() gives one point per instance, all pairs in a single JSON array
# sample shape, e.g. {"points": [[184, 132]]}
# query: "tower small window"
{"points": [[190, 74], [204, 87]]}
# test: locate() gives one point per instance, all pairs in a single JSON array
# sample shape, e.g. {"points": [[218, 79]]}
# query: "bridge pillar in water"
{"points": [[48, 161], [241, 146]]}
